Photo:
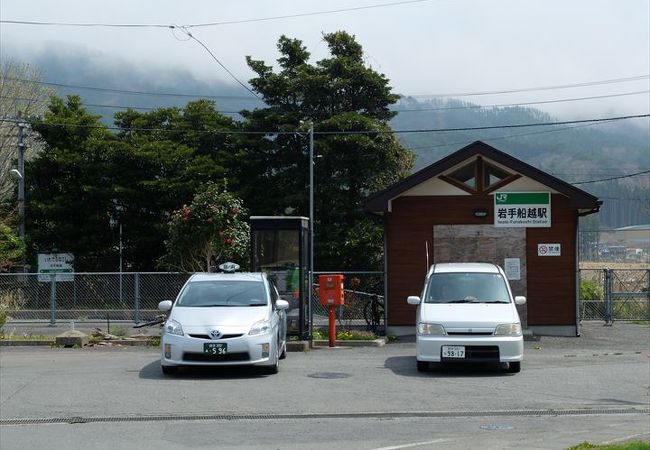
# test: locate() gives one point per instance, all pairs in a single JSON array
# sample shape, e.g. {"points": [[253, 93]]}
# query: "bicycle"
{"points": [[373, 313]]}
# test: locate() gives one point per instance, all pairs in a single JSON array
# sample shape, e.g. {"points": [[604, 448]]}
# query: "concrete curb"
{"points": [[380, 342]]}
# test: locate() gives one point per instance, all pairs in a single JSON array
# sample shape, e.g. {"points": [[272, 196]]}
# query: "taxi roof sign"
{"points": [[229, 267]]}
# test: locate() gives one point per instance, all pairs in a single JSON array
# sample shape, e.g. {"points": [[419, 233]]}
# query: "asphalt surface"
{"points": [[594, 388]]}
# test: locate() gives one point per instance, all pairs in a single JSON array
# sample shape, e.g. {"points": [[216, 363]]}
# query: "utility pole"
{"points": [[311, 223], [21, 183]]}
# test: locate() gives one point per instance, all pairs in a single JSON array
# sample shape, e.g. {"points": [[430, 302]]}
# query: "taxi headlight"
{"points": [[173, 327], [508, 329], [431, 329], [260, 327]]}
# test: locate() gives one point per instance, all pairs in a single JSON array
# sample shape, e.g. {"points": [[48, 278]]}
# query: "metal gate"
{"points": [[615, 294]]}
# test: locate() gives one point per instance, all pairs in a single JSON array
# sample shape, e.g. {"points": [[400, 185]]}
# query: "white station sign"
{"points": [[60, 264]]}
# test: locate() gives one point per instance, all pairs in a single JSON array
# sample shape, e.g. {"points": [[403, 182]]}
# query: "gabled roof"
{"points": [[378, 203]]}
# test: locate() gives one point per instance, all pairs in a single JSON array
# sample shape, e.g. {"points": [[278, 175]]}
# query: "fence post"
{"points": [[609, 310], [52, 299], [137, 297]]}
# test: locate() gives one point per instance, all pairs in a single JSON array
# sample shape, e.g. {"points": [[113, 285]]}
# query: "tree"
{"points": [[20, 95], [12, 247], [87, 175], [339, 95], [211, 230]]}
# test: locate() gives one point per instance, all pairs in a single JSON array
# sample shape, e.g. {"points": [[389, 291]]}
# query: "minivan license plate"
{"points": [[215, 348], [453, 351]]}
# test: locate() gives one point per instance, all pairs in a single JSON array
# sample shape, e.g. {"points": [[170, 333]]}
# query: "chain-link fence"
{"points": [[364, 303], [88, 296], [614, 294]]}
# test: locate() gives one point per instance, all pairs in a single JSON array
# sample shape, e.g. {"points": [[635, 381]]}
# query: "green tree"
{"points": [[338, 94], [211, 230], [87, 174], [11, 246]]}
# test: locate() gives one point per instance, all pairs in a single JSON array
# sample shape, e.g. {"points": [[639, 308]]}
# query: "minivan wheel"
{"points": [[169, 370], [514, 367], [423, 366]]}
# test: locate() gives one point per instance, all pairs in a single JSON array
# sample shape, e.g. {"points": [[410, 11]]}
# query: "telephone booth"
{"points": [[280, 248]]}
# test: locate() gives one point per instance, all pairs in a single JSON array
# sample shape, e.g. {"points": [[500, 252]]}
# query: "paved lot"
{"points": [[594, 388]]}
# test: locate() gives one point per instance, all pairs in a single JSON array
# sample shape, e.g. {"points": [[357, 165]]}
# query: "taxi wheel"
{"points": [[283, 355], [514, 367], [169, 370], [423, 366]]}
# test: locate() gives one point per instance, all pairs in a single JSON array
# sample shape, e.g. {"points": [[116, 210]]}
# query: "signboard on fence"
{"points": [[522, 209], [60, 264]]}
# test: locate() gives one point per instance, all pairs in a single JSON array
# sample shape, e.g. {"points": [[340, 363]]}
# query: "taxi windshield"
{"points": [[223, 293], [467, 287]]}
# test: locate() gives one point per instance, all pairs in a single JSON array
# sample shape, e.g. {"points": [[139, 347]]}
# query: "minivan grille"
{"points": [[470, 333]]}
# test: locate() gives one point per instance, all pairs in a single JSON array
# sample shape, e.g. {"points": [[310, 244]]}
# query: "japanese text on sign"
{"points": [[522, 209]]}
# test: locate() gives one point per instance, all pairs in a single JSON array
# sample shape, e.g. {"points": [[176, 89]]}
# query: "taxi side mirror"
{"points": [[520, 300], [281, 304]]}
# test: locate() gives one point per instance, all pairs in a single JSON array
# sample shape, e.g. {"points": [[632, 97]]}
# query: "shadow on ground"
{"points": [[406, 366], [152, 371]]}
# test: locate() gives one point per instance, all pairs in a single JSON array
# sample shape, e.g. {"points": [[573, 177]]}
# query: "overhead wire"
{"points": [[174, 94], [630, 175], [355, 132], [395, 110], [211, 24]]}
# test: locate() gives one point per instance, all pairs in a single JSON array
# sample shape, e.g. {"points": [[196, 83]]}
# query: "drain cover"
{"points": [[329, 375], [494, 426]]}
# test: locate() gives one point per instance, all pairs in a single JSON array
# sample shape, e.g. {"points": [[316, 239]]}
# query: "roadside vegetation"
{"points": [[633, 445]]}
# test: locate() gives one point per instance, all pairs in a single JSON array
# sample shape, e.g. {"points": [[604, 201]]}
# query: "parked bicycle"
{"points": [[373, 313]]}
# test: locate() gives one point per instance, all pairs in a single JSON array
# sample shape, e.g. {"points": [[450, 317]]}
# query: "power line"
{"points": [[613, 178], [209, 24], [103, 105], [539, 88], [358, 132], [403, 110], [488, 127], [174, 94], [191, 36], [524, 103], [125, 91]]}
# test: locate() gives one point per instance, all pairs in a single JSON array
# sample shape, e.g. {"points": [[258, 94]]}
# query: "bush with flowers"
{"points": [[209, 231]]}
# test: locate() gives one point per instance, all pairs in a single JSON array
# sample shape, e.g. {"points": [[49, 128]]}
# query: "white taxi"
{"points": [[225, 319]]}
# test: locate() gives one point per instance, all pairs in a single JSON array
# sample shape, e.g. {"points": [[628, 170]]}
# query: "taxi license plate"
{"points": [[215, 348], [453, 351]]}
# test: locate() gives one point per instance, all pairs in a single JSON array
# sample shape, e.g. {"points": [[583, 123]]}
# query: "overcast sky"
{"points": [[428, 47]]}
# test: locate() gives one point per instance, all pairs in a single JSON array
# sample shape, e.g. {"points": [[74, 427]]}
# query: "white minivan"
{"points": [[466, 313]]}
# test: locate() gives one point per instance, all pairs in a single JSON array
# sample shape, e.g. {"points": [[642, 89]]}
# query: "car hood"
{"points": [[218, 316], [468, 315]]}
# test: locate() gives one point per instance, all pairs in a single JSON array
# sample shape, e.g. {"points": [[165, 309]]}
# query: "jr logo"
{"points": [[502, 197]]}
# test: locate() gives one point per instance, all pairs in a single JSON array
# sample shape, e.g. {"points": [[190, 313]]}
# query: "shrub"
{"points": [[590, 290]]}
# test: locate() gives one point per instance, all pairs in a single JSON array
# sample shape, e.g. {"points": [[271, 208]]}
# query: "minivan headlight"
{"points": [[173, 327], [508, 329], [431, 329], [260, 327]]}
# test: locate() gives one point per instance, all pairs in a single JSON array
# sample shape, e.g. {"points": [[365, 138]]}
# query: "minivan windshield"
{"points": [[223, 293], [467, 287]]}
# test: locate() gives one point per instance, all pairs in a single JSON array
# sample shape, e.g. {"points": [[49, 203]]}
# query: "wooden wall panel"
{"points": [[551, 280]]}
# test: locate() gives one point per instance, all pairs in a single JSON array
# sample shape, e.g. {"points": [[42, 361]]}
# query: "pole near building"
{"points": [[310, 295]]}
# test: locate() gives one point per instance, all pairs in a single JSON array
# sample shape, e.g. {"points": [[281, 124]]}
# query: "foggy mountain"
{"points": [[571, 152]]}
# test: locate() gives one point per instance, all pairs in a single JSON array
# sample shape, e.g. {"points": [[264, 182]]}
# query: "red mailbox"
{"points": [[331, 290]]}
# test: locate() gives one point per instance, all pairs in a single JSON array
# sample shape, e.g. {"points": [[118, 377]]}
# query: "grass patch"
{"points": [[346, 335], [119, 331], [641, 322], [27, 337], [633, 445]]}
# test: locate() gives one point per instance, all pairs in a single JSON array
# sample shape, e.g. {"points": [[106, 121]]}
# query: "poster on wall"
{"points": [[522, 209], [512, 268]]}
